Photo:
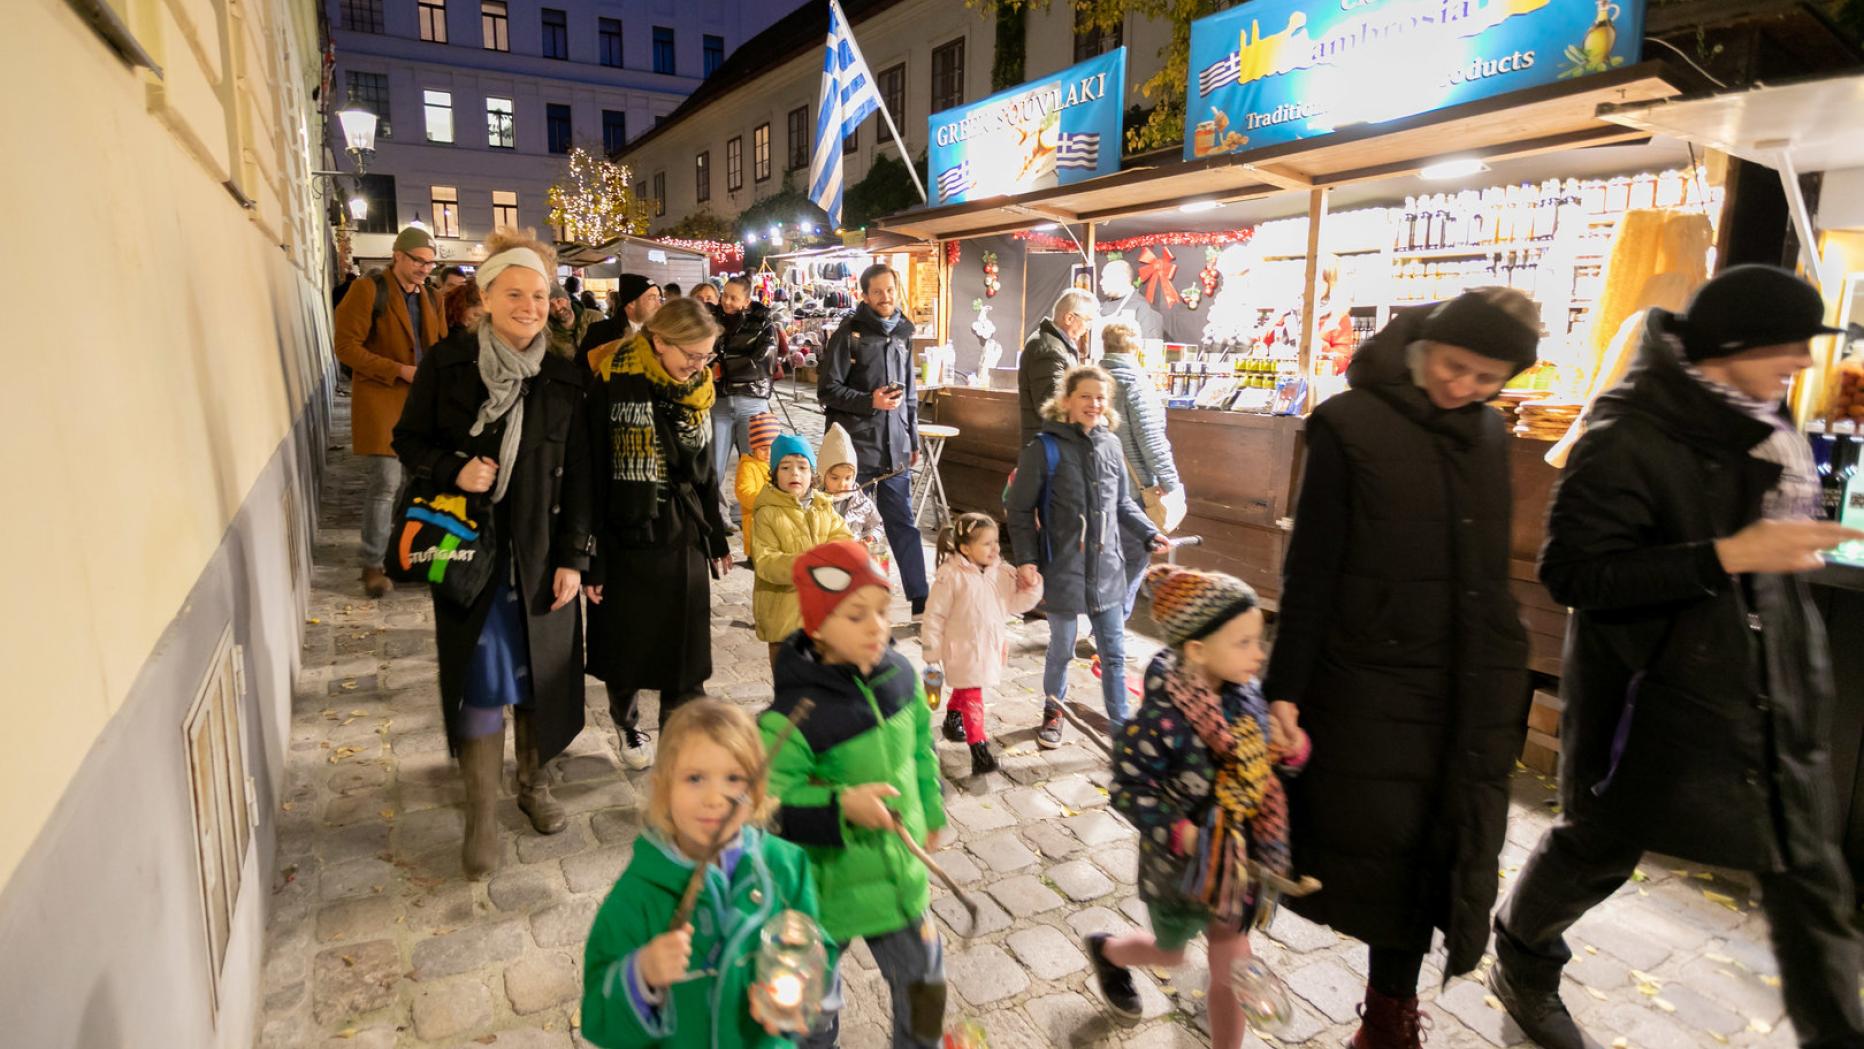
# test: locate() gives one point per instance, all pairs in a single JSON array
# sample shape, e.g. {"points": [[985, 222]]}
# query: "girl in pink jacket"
{"points": [[973, 597]]}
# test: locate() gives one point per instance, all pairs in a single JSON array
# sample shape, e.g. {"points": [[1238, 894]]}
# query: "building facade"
{"points": [[746, 134], [480, 100]]}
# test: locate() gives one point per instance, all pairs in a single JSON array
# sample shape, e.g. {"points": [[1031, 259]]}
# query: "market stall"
{"points": [[603, 265]]}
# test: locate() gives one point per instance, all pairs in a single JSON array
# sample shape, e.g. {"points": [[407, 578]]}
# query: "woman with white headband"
{"points": [[493, 416]]}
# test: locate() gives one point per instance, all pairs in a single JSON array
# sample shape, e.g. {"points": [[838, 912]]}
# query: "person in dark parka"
{"points": [[492, 416], [1698, 686], [1400, 646], [1055, 346]]}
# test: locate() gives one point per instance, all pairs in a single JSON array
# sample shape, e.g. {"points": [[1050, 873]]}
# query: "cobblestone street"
{"points": [[376, 940]]}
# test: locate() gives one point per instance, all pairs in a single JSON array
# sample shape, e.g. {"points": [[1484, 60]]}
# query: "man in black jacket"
{"points": [[746, 353], [866, 385], [1057, 345], [636, 301], [1697, 681]]}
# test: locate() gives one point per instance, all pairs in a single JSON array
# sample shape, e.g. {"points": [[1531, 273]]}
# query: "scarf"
{"points": [[504, 370], [1797, 495], [640, 463], [1251, 807]]}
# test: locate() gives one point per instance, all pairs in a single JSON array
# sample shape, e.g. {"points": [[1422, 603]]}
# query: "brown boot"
{"points": [[376, 582], [482, 761], [1388, 1023], [533, 788]]}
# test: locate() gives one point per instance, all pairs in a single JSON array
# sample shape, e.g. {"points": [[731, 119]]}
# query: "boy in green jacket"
{"points": [[861, 760], [690, 987]]}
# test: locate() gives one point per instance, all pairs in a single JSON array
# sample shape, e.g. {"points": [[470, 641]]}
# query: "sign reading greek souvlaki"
{"points": [[1060, 129], [1275, 71]]}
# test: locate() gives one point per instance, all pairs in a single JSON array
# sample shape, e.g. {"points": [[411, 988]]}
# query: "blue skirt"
{"points": [[499, 674]]}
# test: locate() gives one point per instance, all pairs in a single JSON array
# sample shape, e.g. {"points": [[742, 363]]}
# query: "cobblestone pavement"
{"points": [[376, 940]]}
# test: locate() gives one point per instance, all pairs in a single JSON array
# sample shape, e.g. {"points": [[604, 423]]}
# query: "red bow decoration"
{"points": [[1157, 271]]}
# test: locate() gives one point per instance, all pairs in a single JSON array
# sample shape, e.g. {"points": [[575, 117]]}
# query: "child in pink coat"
{"points": [[973, 597]]}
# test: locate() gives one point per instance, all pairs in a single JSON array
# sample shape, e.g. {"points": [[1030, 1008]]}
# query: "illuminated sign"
{"points": [[1275, 71], [1060, 129]]}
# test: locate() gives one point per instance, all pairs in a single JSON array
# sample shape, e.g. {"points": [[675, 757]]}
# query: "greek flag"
{"points": [[953, 182], [1219, 74], [1079, 151], [849, 94]]}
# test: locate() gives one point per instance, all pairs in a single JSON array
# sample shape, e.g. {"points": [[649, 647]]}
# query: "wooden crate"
{"points": [[1541, 752]]}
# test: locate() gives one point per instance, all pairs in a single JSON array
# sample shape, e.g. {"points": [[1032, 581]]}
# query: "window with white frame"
{"points": [[446, 211], [500, 128], [505, 208], [439, 107]]}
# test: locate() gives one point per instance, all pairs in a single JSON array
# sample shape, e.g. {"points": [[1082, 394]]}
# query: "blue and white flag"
{"points": [[1080, 151], [849, 96], [954, 181], [1219, 74]]}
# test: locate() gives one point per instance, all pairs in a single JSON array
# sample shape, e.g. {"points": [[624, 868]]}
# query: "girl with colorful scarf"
{"points": [[1197, 770]]}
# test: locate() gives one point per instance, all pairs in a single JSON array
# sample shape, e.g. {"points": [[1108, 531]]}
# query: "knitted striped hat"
{"points": [[1190, 605], [763, 431]]}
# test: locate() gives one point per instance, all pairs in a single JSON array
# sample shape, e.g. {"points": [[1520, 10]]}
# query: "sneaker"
{"points": [[954, 726], [1540, 1014], [637, 751], [982, 760], [1048, 736], [1115, 982]]}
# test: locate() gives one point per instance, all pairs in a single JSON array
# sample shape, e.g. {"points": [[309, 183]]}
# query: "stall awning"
{"points": [[1563, 115], [1817, 124], [580, 256]]}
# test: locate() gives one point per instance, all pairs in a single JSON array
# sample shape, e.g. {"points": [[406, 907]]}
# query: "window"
{"points": [[500, 131], [364, 16], [702, 176], [660, 193], [948, 76], [556, 33], [892, 85], [714, 53], [446, 211], [852, 142], [505, 208], [221, 796], [557, 126], [760, 152], [379, 191], [799, 138], [608, 32], [433, 15], [734, 164], [1090, 42], [370, 91], [439, 105], [614, 130], [663, 50], [495, 25]]}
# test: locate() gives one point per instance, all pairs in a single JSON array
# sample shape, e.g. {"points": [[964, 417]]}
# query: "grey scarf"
{"points": [[503, 370], [1796, 496]]}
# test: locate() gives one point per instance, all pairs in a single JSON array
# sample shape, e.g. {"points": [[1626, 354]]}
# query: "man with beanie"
{"points": [[566, 328], [383, 325], [1698, 686], [636, 300]]}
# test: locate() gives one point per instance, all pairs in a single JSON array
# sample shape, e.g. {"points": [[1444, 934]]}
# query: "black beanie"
{"points": [[631, 286], [1479, 326], [1748, 306]]}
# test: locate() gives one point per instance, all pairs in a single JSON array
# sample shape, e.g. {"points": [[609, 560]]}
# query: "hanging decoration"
{"points": [[991, 284], [1210, 276], [1193, 238], [1193, 295], [952, 252], [726, 255], [1156, 270]]}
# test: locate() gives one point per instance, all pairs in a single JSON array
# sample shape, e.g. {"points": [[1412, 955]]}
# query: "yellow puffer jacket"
{"points": [[784, 530]]}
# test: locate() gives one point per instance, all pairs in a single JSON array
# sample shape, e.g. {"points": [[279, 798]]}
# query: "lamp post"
{"points": [[359, 142]]}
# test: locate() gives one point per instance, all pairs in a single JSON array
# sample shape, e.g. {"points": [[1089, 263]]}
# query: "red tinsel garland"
{"points": [[1215, 238]]}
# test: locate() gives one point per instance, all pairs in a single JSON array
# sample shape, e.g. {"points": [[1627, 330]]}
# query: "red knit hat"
{"points": [[827, 574], [764, 430]]}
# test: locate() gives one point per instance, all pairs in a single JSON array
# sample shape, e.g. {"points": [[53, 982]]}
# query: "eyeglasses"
{"points": [[426, 264], [694, 359]]}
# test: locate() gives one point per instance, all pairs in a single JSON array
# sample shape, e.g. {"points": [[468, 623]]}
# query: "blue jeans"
{"points": [[894, 498], [731, 428], [383, 486], [905, 957], [1109, 627]]}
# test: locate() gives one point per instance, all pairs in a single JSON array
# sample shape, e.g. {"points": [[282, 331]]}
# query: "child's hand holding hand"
{"points": [[663, 961], [1027, 576], [866, 806]]}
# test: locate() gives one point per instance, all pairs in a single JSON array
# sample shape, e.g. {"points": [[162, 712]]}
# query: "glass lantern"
{"points": [[792, 965], [1264, 997]]}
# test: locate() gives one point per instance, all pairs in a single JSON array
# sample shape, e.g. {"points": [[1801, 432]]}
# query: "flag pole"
{"points": [[912, 169]]}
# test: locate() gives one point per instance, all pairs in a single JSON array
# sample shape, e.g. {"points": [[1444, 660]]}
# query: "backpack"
{"points": [[380, 308], [1051, 458]]}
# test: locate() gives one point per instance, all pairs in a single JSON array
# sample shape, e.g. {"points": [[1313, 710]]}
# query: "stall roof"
{"points": [[1563, 115], [1817, 124], [578, 256]]}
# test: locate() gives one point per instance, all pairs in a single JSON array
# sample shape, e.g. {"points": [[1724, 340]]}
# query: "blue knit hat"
{"points": [[789, 444]]}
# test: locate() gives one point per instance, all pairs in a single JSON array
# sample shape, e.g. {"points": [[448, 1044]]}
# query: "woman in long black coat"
{"points": [[1399, 644], [662, 534], [493, 417]]}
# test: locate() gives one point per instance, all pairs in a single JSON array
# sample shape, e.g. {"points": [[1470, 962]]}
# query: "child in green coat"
{"points": [[862, 760], [690, 987]]}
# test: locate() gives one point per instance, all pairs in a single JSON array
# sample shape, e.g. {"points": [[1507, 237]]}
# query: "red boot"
{"points": [[1388, 1023]]}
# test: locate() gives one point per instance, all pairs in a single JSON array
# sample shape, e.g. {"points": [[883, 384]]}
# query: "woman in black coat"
{"points": [[493, 417], [1399, 643], [657, 504]]}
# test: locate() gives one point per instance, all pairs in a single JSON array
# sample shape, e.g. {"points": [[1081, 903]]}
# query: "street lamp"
{"points": [[359, 209], [358, 134]]}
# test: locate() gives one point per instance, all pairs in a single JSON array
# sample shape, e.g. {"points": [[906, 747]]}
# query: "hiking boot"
{"points": [[1388, 1023], [1115, 982], [1084, 648], [534, 799], [982, 760], [1048, 736], [637, 751], [1540, 1014], [954, 726], [376, 582]]}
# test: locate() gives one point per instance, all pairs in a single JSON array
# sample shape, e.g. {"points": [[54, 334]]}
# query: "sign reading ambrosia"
{"points": [[1274, 71], [1060, 129]]}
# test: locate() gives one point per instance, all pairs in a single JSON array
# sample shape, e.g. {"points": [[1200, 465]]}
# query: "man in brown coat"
{"points": [[383, 326]]}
